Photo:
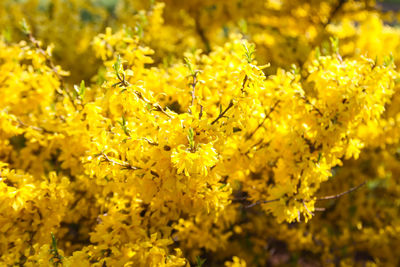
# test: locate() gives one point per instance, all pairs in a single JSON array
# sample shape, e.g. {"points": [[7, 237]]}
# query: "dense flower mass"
{"points": [[199, 133]]}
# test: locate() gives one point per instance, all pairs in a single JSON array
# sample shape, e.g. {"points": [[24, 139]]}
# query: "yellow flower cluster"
{"points": [[204, 133]]}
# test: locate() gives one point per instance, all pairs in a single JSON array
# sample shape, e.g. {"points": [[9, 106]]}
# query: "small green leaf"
{"points": [[388, 60], [56, 259], [25, 27], [249, 51], [222, 186], [190, 138], [199, 261], [319, 157], [82, 89], [189, 66], [334, 44], [53, 242], [117, 66], [124, 124]]}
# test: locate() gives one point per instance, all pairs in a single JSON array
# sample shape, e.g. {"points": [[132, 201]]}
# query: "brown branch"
{"points": [[311, 104], [341, 194], [261, 202], [318, 199], [222, 114], [244, 83], [305, 206], [266, 117], [160, 109], [193, 85], [201, 112], [193, 93], [150, 142], [124, 164], [156, 106], [39, 129]]}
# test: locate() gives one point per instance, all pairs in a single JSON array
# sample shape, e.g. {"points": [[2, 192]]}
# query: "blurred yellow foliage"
{"points": [[213, 132]]}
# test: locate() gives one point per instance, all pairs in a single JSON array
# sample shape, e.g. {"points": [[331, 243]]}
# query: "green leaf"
{"points": [[189, 66], [25, 27], [199, 261], [56, 259], [334, 44], [53, 242], [388, 60], [191, 138], [117, 66], [82, 89], [222, 186], [123, 124], [249, 51]]}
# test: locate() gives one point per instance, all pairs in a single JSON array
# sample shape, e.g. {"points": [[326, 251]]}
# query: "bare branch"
{"points": [[311, 104], [261, 202], [39, 129], [305, 206], [222, 114], [193, 85], [201, 112], [160, 109], [341, 194], [124, 164], [265, 118], [244, 83], [156, 106]]}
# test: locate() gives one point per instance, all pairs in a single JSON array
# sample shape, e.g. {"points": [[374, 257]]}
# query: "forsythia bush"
{"points": [[203, 133]]}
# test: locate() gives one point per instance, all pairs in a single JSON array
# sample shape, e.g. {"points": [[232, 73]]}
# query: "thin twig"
{"points": [[201, 112], [222, 114], [160, 109], [150, 142], [311, 104], [261, 202], [156, 106], [240, 198], [193, 85], [318, 199], [193, 93], [39, 129], [265, 118], [244, 83], [305, 206], [122, 164], [341, 194]]}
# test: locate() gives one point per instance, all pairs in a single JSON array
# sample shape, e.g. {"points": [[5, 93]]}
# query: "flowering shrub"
{"points": [[204, 133]]}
